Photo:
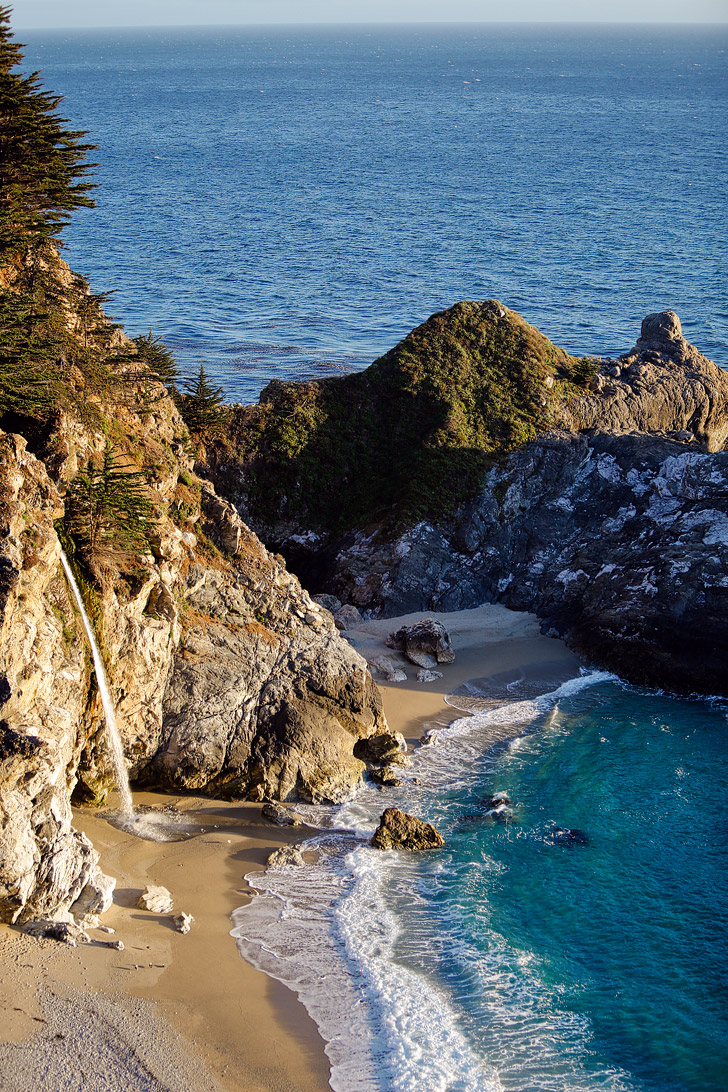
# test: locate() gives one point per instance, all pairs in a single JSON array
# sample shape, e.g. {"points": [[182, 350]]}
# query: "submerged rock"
{"points": [[398, 830], [157, 900], [498, 800], [566, 836]]}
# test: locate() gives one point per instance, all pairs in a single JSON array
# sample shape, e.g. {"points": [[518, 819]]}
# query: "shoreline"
{"points": [[189, 1009]]}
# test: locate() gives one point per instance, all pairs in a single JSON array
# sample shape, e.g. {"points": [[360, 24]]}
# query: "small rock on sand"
{"points": [[156, 899], [183, 922]]}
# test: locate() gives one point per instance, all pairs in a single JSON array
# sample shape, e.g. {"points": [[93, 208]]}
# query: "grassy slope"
{"points": [[408, 438]]}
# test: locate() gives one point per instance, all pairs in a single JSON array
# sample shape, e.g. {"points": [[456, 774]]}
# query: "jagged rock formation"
{"points": [[615, 532], [663, 385], [228, 679], [45, 865]]}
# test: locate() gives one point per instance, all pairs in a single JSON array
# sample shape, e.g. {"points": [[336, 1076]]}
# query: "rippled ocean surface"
{"points": [[572, 939], [290, 202]]}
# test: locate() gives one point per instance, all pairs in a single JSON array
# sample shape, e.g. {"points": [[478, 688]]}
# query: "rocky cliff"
{"points": [[611, 523], [228, 679], [613, 527]]}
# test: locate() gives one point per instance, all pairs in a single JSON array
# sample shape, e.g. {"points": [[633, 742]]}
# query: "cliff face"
{"points": [[613, 526], [228, 679], [44, 864]]}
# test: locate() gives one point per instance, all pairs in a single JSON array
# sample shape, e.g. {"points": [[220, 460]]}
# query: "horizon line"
{"points": [[392, 23]]}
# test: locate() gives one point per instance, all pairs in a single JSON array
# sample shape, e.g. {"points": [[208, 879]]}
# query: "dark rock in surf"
{"points": [[397, 830], [566, 836], [499, 800], [386, 776]]}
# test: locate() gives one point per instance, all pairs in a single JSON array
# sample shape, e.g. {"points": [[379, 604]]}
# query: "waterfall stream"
{"points": [[115, 748]]}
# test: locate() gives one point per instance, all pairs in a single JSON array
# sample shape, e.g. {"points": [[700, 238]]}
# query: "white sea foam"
{"points": [[329, 931]]}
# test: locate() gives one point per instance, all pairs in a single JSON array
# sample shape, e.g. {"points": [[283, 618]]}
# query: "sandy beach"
{"points": [[187, 1013]]}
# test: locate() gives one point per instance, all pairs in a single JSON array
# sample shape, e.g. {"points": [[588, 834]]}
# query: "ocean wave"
{"points": [[328, 930]]}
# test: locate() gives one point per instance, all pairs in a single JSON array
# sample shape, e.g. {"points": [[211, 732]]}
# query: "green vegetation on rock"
{"points": [[409, 438], [108, 512], [200, 404]]}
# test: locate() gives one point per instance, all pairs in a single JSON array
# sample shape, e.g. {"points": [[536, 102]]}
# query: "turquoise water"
{"points": [[572, 941], [616, 946]]}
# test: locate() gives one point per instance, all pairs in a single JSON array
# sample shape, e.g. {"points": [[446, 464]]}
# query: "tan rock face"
{"points": [[662, 385], [398, 830], [227, 678], [44, 864]]}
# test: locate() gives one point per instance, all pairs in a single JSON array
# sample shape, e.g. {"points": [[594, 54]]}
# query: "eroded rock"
{"points": [[282, 817], [426, 643], [155, 899], [285, 855], [398, 830], [183, 922]]}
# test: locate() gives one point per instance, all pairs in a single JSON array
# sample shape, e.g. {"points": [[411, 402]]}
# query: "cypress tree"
{"points": [[42, 179], [42, 168], [158, 359], [200, 404]]}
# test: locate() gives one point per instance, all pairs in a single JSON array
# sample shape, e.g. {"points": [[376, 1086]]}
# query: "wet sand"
{"points": [[182, 1013]]}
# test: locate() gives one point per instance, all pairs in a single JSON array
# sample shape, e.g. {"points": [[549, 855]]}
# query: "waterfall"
{"points": [[116, 751]]}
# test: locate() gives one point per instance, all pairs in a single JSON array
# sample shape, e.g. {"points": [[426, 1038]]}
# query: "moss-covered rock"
{"points": [[408, 438]]}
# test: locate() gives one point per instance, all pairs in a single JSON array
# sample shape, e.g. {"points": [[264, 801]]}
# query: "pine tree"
{"points": [[200, 404], [42, 166], [108, 512], [42, 173], [158, 359]]}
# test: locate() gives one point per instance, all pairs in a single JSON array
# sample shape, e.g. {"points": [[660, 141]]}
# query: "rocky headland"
{"points": [[228, 678], [602, 505]]}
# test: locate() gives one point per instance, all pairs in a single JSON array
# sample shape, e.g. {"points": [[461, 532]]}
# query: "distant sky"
{"points": [[39, 14]]}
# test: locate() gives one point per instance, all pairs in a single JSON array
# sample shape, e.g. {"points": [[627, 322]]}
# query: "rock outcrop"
{"points": [[227, 678], [614, 530], [663, 385], [398, 830], [427, 643]]}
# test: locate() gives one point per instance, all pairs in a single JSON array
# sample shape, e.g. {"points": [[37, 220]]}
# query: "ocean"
{"points": [[571, 940], [288, 203]]}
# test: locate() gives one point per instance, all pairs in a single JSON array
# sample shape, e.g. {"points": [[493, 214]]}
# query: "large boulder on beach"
{"points": [[426, 643], [398, 830]]}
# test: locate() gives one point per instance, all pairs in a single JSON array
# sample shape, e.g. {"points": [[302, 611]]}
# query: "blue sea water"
{"points": [[290, 202], [571, 941]]}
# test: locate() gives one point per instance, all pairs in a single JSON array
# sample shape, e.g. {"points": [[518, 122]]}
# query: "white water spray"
{"points": [[116, 751]]}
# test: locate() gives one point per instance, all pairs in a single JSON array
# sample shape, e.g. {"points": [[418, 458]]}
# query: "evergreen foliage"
{"points": [[42, 179], [108, 512], [200, 404], [158, 359], [42, 168]]}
